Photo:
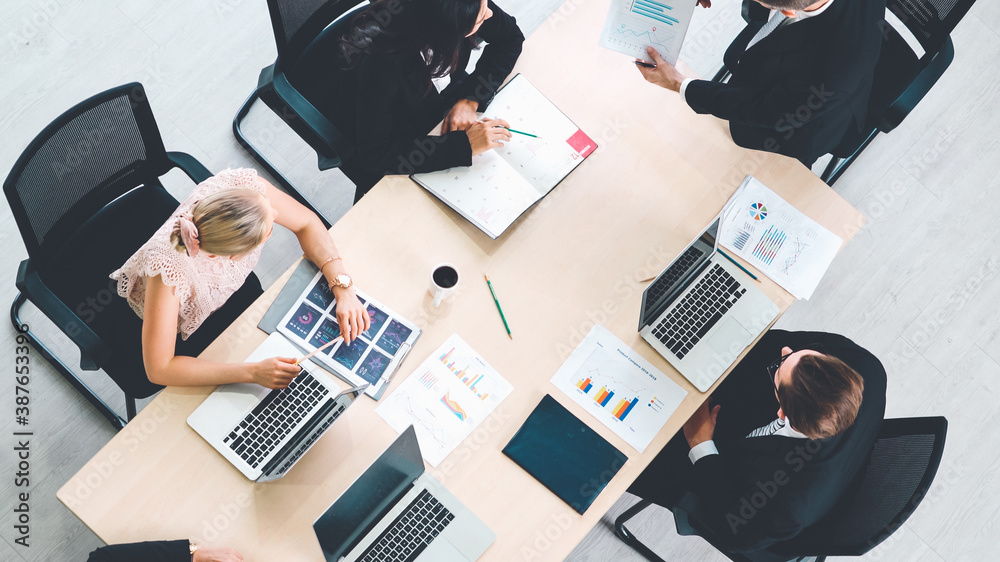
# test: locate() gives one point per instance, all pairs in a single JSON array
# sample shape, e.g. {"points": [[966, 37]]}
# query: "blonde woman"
{"points": [[202, 255]]}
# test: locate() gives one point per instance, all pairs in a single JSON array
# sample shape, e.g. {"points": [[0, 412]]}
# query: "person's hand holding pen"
{"points": [[487, 134], [661, 72]]}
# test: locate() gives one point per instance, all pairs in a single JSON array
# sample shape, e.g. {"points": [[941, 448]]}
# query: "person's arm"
{"points": [[384, 146], [159, 338], [319, 248], [163, 551], [504, 42]]}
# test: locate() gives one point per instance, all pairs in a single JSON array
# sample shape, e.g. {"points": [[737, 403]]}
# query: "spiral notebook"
{"points": [[503, 183]]}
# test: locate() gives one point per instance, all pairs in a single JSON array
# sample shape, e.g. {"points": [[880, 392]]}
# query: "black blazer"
{"points": [[767, 489], [155, 551], [385, 106], [799, 90]]}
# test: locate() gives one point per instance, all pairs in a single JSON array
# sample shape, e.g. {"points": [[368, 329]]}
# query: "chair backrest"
{"points": [[89, 156], [296, 23], [900, 470], [930, 21]]}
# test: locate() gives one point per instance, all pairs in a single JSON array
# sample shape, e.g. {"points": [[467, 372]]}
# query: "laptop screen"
{"points": [[355, 512], [669, 283]]}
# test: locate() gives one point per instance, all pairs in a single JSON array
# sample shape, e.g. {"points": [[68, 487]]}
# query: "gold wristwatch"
{"points": [[342, 281], [193, 547]]}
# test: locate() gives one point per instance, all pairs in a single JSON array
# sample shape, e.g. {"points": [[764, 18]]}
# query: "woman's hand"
{"points": [[461, 117], [487, 134], [351, 314], [216, 554], [276, 372]]}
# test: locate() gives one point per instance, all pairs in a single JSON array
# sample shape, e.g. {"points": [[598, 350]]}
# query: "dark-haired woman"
{"points": [[382, 93]]}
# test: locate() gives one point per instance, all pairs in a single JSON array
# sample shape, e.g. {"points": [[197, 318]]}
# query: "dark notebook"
{"points": [[565, 455]]}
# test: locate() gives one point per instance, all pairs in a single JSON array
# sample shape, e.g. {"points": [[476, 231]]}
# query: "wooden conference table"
{"points": [[660, 175]]}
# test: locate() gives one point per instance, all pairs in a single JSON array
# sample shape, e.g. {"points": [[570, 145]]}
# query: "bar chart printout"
{"points": [[445, 398], [618, 387], [633, 25]]}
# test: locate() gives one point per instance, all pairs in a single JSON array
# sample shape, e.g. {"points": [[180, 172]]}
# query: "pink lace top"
{"points": [[203, 284]]}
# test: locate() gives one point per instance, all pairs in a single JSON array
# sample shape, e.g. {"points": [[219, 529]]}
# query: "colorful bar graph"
{"points": [[769, 244], [585, 385], [604, 396], [428, 380], [654, 10]]}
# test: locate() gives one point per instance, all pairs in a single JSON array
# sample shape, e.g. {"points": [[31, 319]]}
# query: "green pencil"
{"points": [[737, 264], [521, 133], [497, 302]]}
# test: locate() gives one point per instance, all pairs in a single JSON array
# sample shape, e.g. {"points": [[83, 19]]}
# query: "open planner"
{"points": [[503, 183], [372, 358]]}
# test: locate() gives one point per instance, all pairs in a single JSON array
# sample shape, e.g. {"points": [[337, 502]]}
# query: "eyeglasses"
{"points": [[772, 369]]}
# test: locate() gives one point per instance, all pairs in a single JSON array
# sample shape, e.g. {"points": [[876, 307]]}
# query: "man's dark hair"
{"points": [[823, 396], [789, 4]]}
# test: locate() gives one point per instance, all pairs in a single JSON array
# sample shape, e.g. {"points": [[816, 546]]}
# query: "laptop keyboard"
{"points": [[261, 430], [680, 266], [698, 311], [312, 439], [411, 532]]}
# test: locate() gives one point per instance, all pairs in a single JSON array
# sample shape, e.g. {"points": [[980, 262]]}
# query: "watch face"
{"points": [[344, 280]]}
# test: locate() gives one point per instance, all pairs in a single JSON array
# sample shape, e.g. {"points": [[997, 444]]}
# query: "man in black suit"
{"points": [[787, 433], [800, 81]]}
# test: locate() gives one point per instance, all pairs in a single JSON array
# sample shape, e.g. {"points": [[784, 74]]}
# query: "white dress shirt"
{"points": [[706, 448]]}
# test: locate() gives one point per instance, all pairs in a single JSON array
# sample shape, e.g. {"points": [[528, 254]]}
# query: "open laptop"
{"points": [[264, 432], [702, 311], [395, 511]]}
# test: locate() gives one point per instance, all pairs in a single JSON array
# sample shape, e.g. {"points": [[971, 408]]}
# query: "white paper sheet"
{"points": [[633, 25], [776, 238], [445, 398], [620, 388]]}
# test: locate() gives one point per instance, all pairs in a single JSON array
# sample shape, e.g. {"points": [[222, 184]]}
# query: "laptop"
{"points": [[263, 432], [395, 511], [702, 311]]}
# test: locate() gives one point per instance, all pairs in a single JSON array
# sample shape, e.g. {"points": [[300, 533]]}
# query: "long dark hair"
{"points": [[436, 29]]}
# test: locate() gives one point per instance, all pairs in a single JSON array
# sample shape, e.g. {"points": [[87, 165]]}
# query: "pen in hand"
{"points": [[644, 64]]}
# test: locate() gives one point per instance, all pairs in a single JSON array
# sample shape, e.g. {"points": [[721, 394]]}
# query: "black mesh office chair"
{"points": [[304, 36], [85, 195], [901, 78], [900, 470]]}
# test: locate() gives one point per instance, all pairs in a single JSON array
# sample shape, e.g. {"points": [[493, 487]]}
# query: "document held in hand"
{"points": [[633, 25]]}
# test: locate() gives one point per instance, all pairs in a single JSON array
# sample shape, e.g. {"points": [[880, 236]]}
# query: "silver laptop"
{"points": [[395, 511], [264, 432], [702, 311]]}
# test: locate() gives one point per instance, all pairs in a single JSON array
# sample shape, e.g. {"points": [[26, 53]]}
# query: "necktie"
{"points": [[772, 24], [769, 429]]}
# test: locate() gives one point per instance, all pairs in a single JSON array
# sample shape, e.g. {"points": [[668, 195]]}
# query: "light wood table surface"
{"points": [[660, 175]]}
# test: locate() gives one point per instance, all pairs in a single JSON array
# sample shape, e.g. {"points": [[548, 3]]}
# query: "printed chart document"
{"points": [[503, 183], [445, 398], [372, 358], [784, 244], [633, 25], [619, 388]]}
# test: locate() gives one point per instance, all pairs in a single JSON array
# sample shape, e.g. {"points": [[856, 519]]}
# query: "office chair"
{"points": [[304, 36], [900, 470], [85, 195], [901, 78]]}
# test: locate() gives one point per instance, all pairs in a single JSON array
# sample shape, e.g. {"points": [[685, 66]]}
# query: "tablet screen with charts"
{"points": [[371, 358]]}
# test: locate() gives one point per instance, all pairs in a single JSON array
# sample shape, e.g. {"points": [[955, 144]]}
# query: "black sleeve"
{"points": [[504, 40], [764, 107], [386, 147], [155, 551]]}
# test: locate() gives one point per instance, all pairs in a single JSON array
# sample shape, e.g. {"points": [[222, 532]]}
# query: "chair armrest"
{"points": [[923, 83], [93, 351], [189, 165], [303, 117], [690, 517]]}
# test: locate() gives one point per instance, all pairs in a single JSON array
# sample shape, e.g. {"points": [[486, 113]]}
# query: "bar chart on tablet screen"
{"points": [[633, 25]]}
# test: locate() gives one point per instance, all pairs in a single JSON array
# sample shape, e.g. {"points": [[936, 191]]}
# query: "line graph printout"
{"points": [[776, 238], [445, 398], [633, 25], [618, 387]]}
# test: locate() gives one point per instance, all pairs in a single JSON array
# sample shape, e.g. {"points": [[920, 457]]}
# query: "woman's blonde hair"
{"points": [[230, 222]]}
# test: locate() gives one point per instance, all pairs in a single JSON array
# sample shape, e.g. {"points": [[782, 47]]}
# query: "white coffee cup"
{"points": [[444, 279]]}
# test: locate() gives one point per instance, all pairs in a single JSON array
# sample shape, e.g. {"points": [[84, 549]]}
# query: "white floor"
{"points": [[911, 287]]}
